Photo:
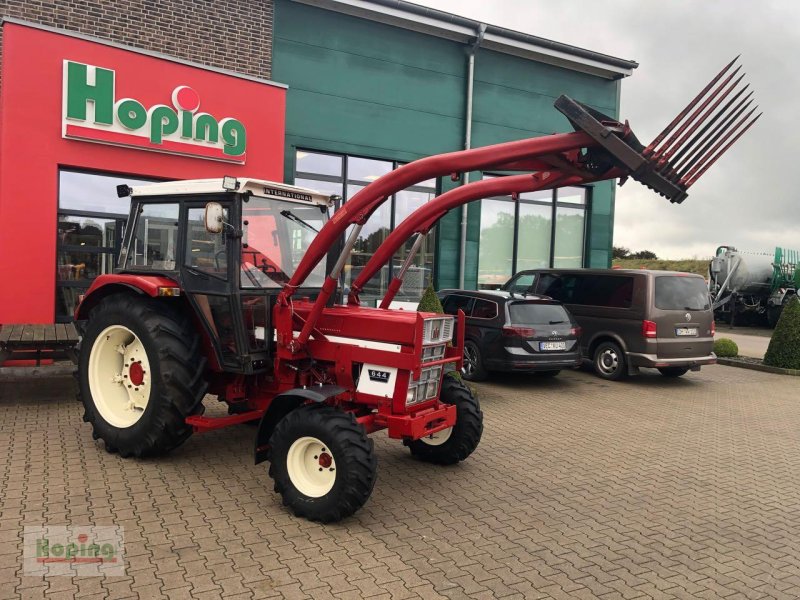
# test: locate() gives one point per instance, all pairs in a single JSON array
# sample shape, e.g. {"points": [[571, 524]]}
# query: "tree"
{"points": [[620, 252], [430, 302], [644, 255], [784, 347]]}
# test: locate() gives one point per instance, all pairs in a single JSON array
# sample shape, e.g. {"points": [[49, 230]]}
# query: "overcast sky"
{"points": [[749, 198]]}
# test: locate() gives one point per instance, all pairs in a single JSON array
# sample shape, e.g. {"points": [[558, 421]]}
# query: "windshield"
{"points": [[529, 313], [681, 293], [276, 235]]}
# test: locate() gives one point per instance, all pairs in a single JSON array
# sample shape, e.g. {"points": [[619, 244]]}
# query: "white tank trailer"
{"points": [[751, 287]]}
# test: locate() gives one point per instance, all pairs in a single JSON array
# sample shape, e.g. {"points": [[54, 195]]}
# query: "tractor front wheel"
{"points": [[140, 374], [322, 462], [454, 444]]}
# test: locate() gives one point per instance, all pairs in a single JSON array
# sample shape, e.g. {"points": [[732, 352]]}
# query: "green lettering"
{"points": [[186, 125], [80, 93], [131, 114], [163, 121], [206, 128], [234, 137]]}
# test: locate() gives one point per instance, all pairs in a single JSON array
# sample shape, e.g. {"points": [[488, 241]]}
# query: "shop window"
{"points": [[89, 232], [542, 229], [155, 237], [205, 251], [347, 175]]}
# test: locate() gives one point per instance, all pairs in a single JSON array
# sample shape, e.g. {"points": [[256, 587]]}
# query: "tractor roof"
{"points": [[257, 187]]}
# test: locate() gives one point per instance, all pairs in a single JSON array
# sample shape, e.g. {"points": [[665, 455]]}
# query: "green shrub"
{"points": [[784, 347], [430, 302], [726, 347]]}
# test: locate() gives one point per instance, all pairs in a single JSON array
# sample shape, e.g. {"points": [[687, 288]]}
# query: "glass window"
{"points": [[91, 192], [607, 290], [366, 169], [320, 164], [454, 302], [564, 288], [522, 283], [572, 195], [205, 251], [484, 309], [496, 243], [570, 226], [275, 239], [92, 232], [530, 313], [320, 172], [675, 292], [155, 237], [533, 241]]}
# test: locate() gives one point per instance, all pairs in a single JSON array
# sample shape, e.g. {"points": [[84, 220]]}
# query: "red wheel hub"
{"points": [[136, 373], [325, 460]]}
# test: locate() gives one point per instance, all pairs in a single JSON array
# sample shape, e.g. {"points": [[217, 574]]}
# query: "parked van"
{"points": [[632, 318]]}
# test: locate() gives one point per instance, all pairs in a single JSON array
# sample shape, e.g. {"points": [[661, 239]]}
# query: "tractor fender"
{"points": [[282, 405], [105, 285]]}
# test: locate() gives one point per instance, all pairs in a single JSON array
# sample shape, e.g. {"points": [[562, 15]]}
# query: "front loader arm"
{"points": [[600, 148]]}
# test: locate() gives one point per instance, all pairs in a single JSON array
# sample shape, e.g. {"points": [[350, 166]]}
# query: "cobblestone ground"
{"points": [[656, 488]]}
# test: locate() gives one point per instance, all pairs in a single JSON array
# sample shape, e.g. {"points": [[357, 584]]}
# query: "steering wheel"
{"points": [[217, 254]]}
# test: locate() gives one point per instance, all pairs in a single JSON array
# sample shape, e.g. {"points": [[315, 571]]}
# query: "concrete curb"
{"points": [[53, 371], [756, 367]]}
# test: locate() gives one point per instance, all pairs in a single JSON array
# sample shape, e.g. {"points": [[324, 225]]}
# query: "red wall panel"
{"points": [[32, 148]]}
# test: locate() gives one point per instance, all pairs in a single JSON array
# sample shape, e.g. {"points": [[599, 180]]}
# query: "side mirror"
{"points": [[214, 217]]}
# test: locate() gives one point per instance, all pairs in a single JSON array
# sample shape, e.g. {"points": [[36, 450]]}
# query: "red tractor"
{"points": [[222, 289]]}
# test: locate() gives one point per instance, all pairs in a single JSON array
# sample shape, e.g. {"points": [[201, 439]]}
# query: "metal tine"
{"points": [[723, 151], [667, 155], [711, 122], [713, 136], [670, 143], [691, 173], [659, 138]]}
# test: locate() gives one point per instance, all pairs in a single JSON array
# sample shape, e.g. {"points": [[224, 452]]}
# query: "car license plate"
{"points": [[552, 345], [686, 331]]}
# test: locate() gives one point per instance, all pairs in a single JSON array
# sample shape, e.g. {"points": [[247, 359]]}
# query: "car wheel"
{"points": [[609, 362], [673, 371], [547, 374], [473, 369]]}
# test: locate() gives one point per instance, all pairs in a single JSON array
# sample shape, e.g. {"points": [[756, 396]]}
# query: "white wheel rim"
{"points": [[438, 438], [608, 361], [311, 467], [119, 376]]}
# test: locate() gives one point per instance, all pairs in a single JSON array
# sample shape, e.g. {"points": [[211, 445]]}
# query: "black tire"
{"points": [[473, 369], [547, 374], [350, 449], [673, 371], [177, 383], [466, 433], [609, 362]]}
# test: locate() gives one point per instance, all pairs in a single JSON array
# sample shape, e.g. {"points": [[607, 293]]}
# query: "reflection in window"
{"points": [[533, 244], [91, 192], [568, 251], [205, 251], [496, 243]]}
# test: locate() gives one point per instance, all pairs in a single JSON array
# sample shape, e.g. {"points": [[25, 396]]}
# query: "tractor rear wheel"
{"points": [[323, 463], [140, 375], [454, 444]]}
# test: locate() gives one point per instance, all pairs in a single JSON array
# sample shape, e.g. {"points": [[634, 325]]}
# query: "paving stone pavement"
{"points": [[654, 488]]}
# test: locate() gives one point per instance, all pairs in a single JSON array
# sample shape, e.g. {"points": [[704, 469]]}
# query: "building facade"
{"points": [[330, 94]]}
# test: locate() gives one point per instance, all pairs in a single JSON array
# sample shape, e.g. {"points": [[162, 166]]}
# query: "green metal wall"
{"points": [[364, 88]]}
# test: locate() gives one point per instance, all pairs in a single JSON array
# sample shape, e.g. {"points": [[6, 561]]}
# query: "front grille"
{"points": [[426, 387], [432, 353], [438, 330]]}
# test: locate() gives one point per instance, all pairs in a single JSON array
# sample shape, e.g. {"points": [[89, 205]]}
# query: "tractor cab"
{"points": [[230, 245]]}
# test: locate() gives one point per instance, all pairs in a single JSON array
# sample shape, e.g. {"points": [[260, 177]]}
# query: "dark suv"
{"points": [[511, 332]]}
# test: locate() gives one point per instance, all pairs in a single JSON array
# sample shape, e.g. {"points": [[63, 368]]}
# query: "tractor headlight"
{"points": [[426, 387]]}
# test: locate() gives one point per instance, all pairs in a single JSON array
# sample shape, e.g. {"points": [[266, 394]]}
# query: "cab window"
{"points": [[205, 251]]}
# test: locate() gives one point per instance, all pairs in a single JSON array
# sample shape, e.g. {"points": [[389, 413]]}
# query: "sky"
{"points": [[748, 199]]}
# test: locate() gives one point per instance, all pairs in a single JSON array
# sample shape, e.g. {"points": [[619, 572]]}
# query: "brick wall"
{"points": [[230, 34]]}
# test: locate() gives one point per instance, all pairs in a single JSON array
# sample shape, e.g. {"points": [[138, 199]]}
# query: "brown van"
{"points": [[632, 318]]}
